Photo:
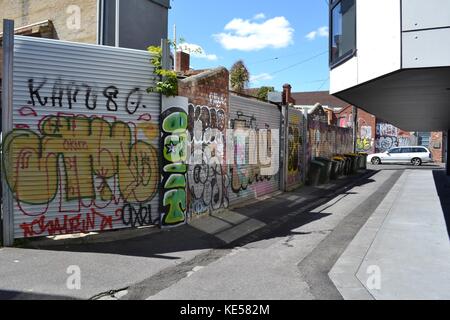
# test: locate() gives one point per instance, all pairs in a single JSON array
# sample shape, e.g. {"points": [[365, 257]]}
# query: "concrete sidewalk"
{"points": [[405, 243], [42, 273]]}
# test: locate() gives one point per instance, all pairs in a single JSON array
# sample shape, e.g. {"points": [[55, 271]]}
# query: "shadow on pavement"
{"points": [[273, 213], [442, 182]]}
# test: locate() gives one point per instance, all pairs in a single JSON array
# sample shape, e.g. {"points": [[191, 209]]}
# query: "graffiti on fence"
{"points": [[175, 153], [207, 177], [81, 166], [69, 93], [295, 145], [254, 153], [327, 141]]}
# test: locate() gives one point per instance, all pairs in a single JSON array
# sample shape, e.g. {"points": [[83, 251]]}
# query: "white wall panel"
{"points": [[420, 14], [378, 38], [427, 48]]}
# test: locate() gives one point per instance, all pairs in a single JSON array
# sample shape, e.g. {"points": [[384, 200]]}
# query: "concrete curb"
{"points": [[344, 272]]}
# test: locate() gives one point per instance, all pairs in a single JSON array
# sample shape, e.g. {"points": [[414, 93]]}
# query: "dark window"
{"points": [[407, 150], [396, 150], [343, 30], [424, 138]]}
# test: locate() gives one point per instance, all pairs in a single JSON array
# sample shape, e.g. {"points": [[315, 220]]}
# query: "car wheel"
{"points": [[376, 161], [416, 162]]}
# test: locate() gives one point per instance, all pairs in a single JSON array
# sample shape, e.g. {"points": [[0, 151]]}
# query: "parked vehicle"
{"points": [[414, 155]]}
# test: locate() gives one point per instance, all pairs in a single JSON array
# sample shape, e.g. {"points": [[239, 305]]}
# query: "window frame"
{"points": [[351, 53], [395, 148]]}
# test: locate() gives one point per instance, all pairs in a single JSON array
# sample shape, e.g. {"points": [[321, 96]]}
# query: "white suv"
{"points": [[414, 155]]}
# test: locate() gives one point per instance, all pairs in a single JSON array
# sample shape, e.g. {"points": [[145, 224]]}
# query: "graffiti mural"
{"points": [[364, 140], [389, 136], [73, 173], [252, 145], [207, 177], [175, 152], [295, 148], [325, 140]]}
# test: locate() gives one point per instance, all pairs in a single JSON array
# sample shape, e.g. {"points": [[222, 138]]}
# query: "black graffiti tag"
{"points": [[137, 216], [70, 92]]}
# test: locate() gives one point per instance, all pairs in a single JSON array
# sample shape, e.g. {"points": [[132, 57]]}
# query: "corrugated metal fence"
{"points": [[84, 150], [255, 119]]}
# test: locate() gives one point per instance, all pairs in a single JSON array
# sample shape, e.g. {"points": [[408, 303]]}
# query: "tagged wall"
{"points": [[389, 136], [83, 154], [324, 140], [255, 124], [207, 176], [295, 143]]}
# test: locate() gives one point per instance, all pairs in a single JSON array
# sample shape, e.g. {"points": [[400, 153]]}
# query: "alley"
{"points": [[294, 262], [313, 243]]}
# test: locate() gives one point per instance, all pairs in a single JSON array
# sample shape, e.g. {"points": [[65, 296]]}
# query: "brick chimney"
{"points": [[287, 94], [183, 61]]}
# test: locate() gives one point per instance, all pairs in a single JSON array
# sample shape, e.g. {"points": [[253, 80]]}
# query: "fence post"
{"points": [[165, 60], [284, 147], [7, 111], [305, 146], [355, 127]]}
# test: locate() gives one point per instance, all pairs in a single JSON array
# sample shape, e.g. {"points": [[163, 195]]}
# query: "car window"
{"points": [[419, 150], [395, 150], [407, 150]]}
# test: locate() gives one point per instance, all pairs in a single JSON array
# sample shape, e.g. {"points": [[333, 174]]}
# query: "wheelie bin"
{"points": [[315, 170]]}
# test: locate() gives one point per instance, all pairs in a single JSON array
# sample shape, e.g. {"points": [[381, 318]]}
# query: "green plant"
{"points": [[239, 76], [167, 81], [263, 92]]}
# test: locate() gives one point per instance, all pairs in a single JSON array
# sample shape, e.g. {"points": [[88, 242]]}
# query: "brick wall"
{"points": [[209, 88], [26, 12], [436, 146]]}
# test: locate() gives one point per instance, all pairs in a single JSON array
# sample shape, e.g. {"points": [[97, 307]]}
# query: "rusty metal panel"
{"points": [[246, 179], [85, 144]]}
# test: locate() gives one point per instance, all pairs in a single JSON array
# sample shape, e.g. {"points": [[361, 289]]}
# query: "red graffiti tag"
{"points": [[68, 224]]}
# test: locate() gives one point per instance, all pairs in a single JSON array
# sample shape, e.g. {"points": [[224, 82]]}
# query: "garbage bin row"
{"points": [[322, 170]]}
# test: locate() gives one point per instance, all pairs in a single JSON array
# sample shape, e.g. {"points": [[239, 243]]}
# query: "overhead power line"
{"points": [[276, 58], [299, 63]]}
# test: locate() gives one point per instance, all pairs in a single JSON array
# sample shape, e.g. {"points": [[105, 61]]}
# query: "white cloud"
{"points": [[246, 35], [259, 16], [320, 32], [260, 77], [197, 51]]}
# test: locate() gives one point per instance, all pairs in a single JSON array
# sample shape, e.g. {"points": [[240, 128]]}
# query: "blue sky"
{"points": [[258, 32]]}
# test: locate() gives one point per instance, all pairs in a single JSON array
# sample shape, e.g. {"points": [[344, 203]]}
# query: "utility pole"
{"points": [[175, 45], [7, 127]]}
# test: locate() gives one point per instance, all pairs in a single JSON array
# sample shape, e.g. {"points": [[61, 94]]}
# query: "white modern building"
{"points": [[392, 59]]}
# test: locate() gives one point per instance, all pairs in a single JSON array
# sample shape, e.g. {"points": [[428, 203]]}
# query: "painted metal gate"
{"points": [[83, 152], [247, 178]]}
